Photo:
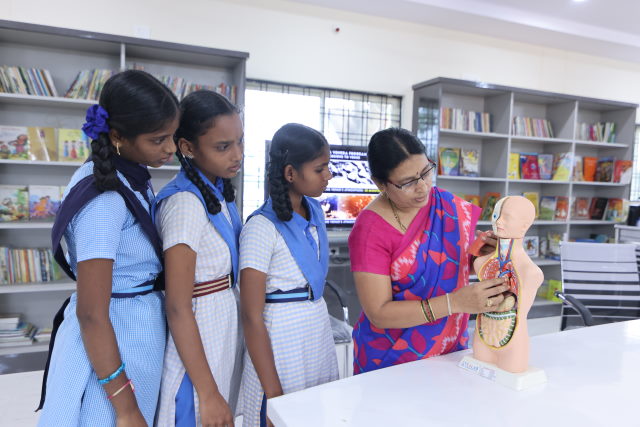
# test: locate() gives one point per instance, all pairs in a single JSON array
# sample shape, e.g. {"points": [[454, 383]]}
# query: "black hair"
{"points": [[293, 144], [137, 103], [199, 110], [390, 147]]}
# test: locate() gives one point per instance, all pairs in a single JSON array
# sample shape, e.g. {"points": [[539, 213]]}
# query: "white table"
{"points": [[593, 380]]}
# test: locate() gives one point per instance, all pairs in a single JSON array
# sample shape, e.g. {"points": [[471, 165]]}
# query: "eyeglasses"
{"points": [[411, 184]]}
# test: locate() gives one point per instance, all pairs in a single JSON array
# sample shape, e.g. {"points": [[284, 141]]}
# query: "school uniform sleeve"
{"points": [[98, 225], [257, 243], [181, 219]]}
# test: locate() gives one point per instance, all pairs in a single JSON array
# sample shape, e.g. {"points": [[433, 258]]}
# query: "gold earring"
{"points": [[118, 148]]}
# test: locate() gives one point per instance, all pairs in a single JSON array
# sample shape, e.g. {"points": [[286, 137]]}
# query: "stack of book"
{"points": [[13, 332], [27, 81], [458, 161], [526, 126], [461, 120]]}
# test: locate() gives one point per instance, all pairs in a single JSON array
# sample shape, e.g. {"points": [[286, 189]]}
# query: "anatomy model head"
{"points": [[512, 217]]}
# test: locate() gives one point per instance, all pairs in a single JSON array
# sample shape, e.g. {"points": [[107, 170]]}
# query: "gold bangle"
{"points": [[424, 312], [448, 304], [433, 316]]}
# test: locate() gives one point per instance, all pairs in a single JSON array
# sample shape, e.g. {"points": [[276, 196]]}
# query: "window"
{"points": [[344, 117]]}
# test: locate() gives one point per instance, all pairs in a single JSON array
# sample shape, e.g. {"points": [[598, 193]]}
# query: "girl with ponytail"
{"points": [[197, 218], [108, 338], [283, 266]]}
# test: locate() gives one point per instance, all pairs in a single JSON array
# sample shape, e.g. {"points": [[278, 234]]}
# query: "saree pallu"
{"points": [[432, 260]]}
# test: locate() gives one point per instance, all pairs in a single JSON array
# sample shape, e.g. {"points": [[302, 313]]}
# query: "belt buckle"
{"points": [[309, 291]]}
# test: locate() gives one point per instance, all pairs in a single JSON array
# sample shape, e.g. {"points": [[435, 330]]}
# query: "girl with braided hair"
{"points": [[109, 337], [283, 266], [197, 218]]}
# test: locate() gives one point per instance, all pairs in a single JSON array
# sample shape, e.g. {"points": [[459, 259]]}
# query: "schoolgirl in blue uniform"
{"points": [[108, 341]]}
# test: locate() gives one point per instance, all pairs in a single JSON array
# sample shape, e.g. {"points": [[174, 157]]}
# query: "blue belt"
{"points": [[293, 295], [143, 289]]}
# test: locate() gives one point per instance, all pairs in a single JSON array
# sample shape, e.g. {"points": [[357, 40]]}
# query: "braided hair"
{"points": [[293, 144], [199, 110], [137, 103], [390, 147]]}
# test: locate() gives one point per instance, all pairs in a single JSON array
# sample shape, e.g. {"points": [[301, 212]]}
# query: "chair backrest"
{"points": [[604, 277]]}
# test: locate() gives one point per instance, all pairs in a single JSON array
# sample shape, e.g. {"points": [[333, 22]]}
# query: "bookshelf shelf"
{"points": [[21, 349], [545, 261], [540, 139], [474, 135], [64, 53], [591, 222], [538, 181], [599, 184], [469, 178], [600, 144], [549, 222]]}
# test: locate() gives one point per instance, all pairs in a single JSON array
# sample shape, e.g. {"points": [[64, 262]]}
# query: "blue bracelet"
{"points": [[112, 376]]}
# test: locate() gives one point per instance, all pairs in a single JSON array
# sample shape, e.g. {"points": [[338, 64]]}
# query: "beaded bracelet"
{"points": [[128, 383], [112, 376], [424, 312]]}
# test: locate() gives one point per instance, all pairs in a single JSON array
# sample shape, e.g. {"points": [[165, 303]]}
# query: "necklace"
{"points": [[395, 214]]}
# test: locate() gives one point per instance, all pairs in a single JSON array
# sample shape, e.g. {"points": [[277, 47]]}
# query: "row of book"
{"points": [[43, 143], [527, 126], [33, 202], [15, 332], [603, 169], [27, 81], [462, 120], [599, 132], [88, 84], [28, 266], [458, 161], [540, 166]]}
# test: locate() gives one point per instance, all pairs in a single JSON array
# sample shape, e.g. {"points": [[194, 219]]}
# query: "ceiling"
{"points": [[608, 28]]}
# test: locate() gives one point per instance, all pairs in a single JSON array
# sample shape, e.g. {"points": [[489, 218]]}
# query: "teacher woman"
{"points": [[410, 261]]}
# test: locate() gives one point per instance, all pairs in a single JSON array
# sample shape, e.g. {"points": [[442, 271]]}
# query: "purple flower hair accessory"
{"points": [[96, 121]]}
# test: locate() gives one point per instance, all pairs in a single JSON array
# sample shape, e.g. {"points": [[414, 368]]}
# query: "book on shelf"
{"points": [[604, 169], [42, 335], [580, 208], [529, 166], [513, 171], [44, 202], [466, 121], [9, 320], [488, 203], [449, 161], [73, 145], [553, 250], [27, 266], [598, 132], [597, 207], [26, 81], [534, 197], [22, 334], [469, 162], [562, 163], [42, 144], [14, 142], [589, 166], [545, 166], [547, 208], [531, 246], [577, 169], [88, 84], [14, 203], [617, 210], [622, 171], [474, 199], [527, 126], [562, 208]]}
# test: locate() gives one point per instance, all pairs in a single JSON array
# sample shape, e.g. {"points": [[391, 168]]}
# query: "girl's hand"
{"points": [[215, 412], [479, 297], [131, 419], [490, 241]]}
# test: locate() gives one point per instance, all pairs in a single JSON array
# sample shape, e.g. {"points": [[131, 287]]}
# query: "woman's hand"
{"points": [[215, 412], [490, 241], [479, 297]]}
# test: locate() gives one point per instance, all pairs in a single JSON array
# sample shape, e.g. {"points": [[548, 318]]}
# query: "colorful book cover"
{"points": [[531, 246], [622, 171], [604, 169], [449, 161], [469, 162], [545, 165], [581, 208], [562, 163], [589, 165], [514, 166], [598, 205], [613, 210], [73, 145], [577, 169], [534, 197], [44, 201], [42, 144], [14, 142], [529, 166], [473, 199], [547, 208], [562, 208], [488, 203], [14, 203]]}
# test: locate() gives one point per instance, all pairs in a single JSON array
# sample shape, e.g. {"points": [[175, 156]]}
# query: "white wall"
{"points": [[296, 43]]}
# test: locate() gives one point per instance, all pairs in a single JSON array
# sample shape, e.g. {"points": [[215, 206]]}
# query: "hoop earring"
{"points": [[118, 148]]}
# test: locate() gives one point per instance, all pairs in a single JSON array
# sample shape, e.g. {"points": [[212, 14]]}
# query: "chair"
{"points": [[342, 332], [603, 278]]}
